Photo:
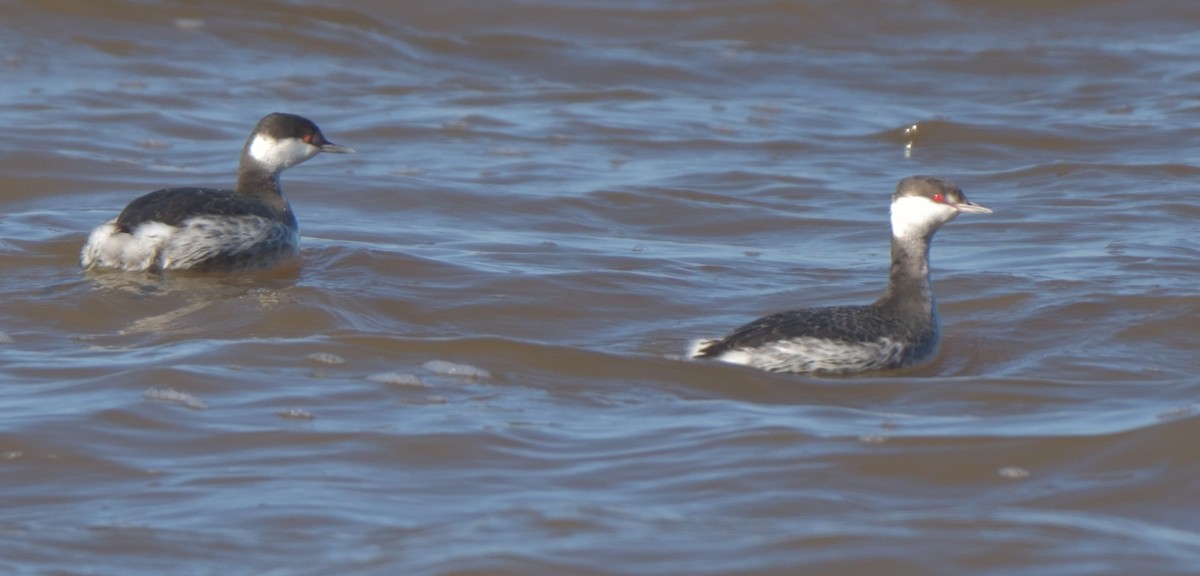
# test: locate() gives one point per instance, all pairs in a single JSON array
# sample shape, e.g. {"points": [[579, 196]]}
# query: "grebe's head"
{"points": [[922, 204], [284, 140]]}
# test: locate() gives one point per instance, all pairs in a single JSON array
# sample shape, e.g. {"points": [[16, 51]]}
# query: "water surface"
{"points": [[475, 367]]}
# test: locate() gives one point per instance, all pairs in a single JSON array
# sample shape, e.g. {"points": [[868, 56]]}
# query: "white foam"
{"points": [[326, 358], [295, 414], [397, 379], [1013, 473], [452, 369], [174, 396]]}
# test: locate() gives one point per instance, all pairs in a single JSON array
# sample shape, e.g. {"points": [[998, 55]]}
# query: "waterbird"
{"points": [[212, 229], [900, 329]]}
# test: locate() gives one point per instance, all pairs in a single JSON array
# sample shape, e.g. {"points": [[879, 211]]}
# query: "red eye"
{"points": [[939, 198], [308, 138]]}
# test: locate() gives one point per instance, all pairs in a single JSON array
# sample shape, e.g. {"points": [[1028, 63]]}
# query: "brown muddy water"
{"points": [[475, 368]]}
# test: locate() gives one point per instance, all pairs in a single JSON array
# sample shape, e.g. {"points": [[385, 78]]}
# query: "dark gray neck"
{"points": [[909, 292], [261, 185]]}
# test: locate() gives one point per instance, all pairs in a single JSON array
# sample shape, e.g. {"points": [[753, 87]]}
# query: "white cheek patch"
{"points": [[280, 154], [917, 216]]}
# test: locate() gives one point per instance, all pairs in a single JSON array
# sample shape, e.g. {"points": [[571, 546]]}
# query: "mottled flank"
{"points": [[837, 340], [200, 243], [819, 356]]}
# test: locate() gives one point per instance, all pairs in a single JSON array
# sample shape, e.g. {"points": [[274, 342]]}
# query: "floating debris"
{"points": [[175, 397]]}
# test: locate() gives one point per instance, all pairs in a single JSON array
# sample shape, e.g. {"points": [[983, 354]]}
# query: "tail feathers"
{"points": [[700, 348], [109, 248]]}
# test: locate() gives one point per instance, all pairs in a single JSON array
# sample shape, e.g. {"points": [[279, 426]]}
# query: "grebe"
{"points": [[209, 229], [898, 330]]}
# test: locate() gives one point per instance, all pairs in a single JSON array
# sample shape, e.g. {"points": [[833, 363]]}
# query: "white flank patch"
{"points": [[916, 216], [93, 249], [106, 248], [280, 154]]}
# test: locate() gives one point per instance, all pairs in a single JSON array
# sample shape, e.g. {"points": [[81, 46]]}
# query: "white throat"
{"points": [[917, 216], [276, 155]]}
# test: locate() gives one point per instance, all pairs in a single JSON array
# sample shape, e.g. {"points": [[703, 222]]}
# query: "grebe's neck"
{"points": [[909, 290], [261, 184]]}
